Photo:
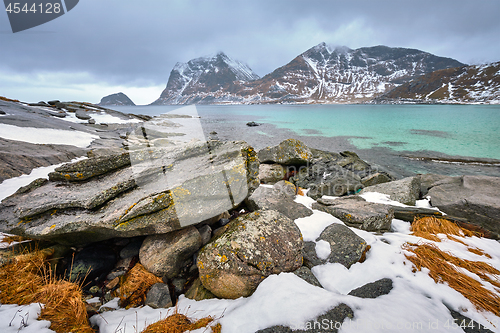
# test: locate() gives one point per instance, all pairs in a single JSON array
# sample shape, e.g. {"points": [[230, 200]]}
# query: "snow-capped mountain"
{"points": [[342, 75], [201, 80], [322, 74], [466, 84]]}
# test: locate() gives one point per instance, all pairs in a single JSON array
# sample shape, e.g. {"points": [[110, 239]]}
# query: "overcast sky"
{"points": [[106, 46]]}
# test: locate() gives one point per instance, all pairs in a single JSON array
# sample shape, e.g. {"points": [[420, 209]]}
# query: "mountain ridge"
{"points": [[321, 74]]}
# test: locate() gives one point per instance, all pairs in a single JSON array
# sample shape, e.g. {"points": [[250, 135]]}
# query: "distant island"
{"points": [[335, 75], [116, 99]]}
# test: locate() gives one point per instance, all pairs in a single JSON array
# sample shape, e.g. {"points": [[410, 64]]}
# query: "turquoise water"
{"points": [[464, 130]]}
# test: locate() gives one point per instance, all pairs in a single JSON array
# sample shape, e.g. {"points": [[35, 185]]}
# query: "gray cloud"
{"points": [[136, 43]]}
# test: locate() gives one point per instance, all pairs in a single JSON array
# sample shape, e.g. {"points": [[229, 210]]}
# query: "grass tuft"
{"points": [[444, 267], [136, 283], [180, 323], [427, 227], [27, 279]]}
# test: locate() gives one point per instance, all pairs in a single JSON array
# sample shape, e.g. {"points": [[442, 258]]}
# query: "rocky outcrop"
{"points": [[354, 211], [277, 199], [255, 246], [323, 173], [405, 191], [165, 255], [163, 189], [475, 198]]}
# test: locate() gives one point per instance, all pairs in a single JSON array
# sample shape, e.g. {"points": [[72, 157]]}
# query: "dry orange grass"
{"points": [[180, 323], [135, 285], [427, 227], [443, 267], [27, 279]]}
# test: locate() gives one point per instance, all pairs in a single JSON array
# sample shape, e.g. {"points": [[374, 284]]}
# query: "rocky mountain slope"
{"points": [[116, 99], [322, 74], [203, 79], [466, 84]]}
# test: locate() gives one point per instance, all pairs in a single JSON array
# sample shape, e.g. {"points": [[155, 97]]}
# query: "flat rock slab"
{"points": [[354, 211], [161, 190], [405, 191], [475, 198]]}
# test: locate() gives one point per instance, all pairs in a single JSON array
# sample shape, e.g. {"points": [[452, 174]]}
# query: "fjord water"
{"points": [[438, 130]]}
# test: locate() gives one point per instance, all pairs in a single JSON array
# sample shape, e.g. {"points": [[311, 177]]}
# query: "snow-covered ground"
{"points": [[11, 185], [46, 135], [415, 304]]}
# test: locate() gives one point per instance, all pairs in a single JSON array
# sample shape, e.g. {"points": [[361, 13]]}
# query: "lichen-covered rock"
{"points": [[198, 292], [161, 190], [279, 200], [356, 212], [405, 191], [271, 173], [255, 246], [89, 168], [288, 152], [164, 255]]}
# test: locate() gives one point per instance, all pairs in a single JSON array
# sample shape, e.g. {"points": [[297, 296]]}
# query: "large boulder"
{"points": [[165, 255], [346, 247], [475, 198], [356, 212], [405, 191], [278, 199], [255, 246], [161, 190], [288, 152]]}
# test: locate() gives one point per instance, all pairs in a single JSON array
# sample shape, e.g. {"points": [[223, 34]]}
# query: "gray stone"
{"points": [[405, 191], [132, 249], [346, 247], [376, 178], [179, 284], [158, 296], [427, 181], [165, 255], [275, 199], [354, 211], [206, 233], [288, 152], [305, 274], [198, 292], [286, 187], [81, 114], [373, 289], [162, 190], [475, 198], [255, 246], [332, 318], [271, 173]]}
